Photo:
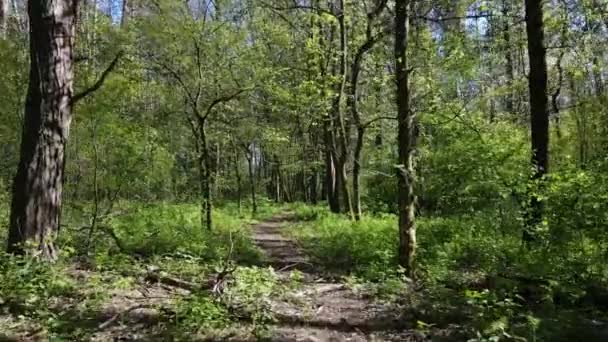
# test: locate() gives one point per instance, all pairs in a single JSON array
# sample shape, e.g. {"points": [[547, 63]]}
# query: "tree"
{"points": [[371, 39], [406, 139], [38, 184], [539, 115]]}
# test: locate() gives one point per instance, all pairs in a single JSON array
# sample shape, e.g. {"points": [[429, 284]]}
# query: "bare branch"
{"points": [[476, 16], [179, 80], [370, 122], [297, 6], [226, 98], [99, 82]]}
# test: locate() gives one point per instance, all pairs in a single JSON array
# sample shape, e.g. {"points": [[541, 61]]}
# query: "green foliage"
{"points": [[172, 230], [307, 212], [200, 313], [28, 285], [367, 247], [251, 294], [471, 166]]}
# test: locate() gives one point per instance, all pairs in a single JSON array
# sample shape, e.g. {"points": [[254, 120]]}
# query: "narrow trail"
{"points": [[322, 309]]}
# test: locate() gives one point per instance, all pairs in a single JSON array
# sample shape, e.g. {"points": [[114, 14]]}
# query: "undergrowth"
{"points": [[65, 299], [493, 286]]}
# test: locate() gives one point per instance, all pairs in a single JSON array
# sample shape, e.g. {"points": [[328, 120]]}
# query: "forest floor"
{"points": [[134, 307], [324, 308], [274, 287]]}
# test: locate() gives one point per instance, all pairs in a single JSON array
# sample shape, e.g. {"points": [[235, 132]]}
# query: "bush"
{"points": [[307, 212], [450, 249], [366, 247]]}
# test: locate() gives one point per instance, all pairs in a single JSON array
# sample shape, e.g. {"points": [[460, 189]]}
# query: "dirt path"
{"points": [[322, 309]]}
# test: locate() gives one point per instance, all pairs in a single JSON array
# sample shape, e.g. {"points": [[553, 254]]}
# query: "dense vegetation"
{"points": [[449, 158]]}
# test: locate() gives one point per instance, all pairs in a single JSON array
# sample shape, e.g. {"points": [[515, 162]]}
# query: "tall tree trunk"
{"points": [[406, 141], [312, 186], [354, 109], [357, 172], [19, 15], [237, 173], [218, 160], [353, 104], [506, 34], [331, 188], [126, 11], [250, 166], [537, 84], [598, 86], [205, 177], [38, 185], [3, 18], [340, 146]]}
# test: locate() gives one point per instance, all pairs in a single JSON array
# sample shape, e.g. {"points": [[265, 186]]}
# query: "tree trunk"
{"points": [[357, 172], [312, 186], [331, 188], [506, 34], [218, 160], [18, 15], [537, 84], [353, 103], [406, 141], [38, 184], [205, 177], [126, 11], [254, 205], [3, 18], [237, 173], [341, 148], [95, 214]]}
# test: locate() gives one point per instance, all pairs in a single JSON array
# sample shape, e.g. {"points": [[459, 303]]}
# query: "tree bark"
{"points": [[312, 186], [353, 103], [250, 155], [205, 177], [331, 189], [537, 85], [126, 11], [237, 173], [38, 184], [3, 18], [406, 141], [506, 34], [357, 172], [341, 150]]}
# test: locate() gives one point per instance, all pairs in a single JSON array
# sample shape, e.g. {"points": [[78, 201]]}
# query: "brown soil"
{"points": [[323, 309]]}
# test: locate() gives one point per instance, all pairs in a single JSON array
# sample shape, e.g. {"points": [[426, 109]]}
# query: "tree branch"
{"points": [[99, 82], [225, 98], [370, 122], [297, 6]]}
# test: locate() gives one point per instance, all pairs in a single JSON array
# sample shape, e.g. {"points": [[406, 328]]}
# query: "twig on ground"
{"points": [[116, 316]]}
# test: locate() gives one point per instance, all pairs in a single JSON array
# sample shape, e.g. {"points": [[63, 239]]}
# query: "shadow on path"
{"points": [[323, 309]]}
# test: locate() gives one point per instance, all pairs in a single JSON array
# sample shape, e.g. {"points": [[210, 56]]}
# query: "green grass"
{"points": [[163, 235], [465, 262]]}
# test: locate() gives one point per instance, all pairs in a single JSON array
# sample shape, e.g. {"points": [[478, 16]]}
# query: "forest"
{"points": [[303, 170]]}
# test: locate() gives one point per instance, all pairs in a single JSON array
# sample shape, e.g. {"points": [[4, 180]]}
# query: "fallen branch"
{"points": [[116, 316], [295, 264], [215, 284], [157, 276]]}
